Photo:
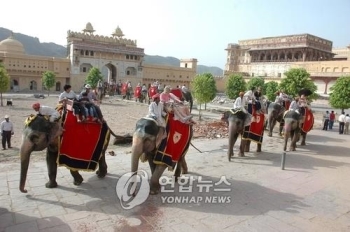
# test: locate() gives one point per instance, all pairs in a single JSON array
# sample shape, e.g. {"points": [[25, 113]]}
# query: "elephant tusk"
{"points": [[195, 147]]}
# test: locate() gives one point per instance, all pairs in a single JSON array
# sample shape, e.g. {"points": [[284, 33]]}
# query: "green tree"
{"points": [[340, 96], [257, 82], [4, 81], [94, 77], [234, 85], [203, 89], [297, 79], [49, 80], [271, 89]]}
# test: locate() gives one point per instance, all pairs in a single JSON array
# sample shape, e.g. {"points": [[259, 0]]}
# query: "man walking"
{"points": [[6, 130], [331, 120], [347, 122], [341, 120], [325, 120]]}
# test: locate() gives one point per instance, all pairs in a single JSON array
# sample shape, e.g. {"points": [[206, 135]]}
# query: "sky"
{"points": [[199, 29]]}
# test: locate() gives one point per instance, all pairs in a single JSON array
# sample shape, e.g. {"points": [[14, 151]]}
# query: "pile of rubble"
{"points": [[210, 129]]}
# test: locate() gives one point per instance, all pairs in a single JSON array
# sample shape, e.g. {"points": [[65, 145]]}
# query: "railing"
{"points": [[329, 74]]}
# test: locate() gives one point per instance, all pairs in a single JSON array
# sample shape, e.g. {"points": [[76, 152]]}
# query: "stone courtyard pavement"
{"points": [[311, 194]]}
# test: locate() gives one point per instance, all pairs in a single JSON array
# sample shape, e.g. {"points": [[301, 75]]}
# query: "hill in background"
{"points": [[33, 46]]}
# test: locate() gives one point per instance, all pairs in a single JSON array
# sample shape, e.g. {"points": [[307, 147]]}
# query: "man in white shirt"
{"points": [[68, 93], [6, 130], [46, 110], [341, 120], [156, 110], [240, 102], [295, 105], [347, 123]]}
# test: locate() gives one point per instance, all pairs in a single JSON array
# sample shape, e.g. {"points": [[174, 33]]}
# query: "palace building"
{"points": [[271, 57], [117, 58]]}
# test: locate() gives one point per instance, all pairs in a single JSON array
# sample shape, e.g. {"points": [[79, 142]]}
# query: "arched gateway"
{"points": [[116, 57]]}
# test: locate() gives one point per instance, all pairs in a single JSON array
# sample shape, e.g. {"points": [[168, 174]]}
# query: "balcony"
{"points": [[329, 74]]}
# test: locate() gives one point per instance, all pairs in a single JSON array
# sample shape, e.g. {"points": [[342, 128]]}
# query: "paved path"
{"points": [[311, 194]]}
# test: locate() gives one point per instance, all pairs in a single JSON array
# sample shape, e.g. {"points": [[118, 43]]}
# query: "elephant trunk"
{"points": [[136, 152], [25, 157]]}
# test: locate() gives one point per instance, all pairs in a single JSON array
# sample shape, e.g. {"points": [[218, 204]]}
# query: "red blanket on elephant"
{"points": [[81, 144], [255, 131], [124, 88], [309, 120], [137, 92], [152, 91], [177, 92], [175, 144]]}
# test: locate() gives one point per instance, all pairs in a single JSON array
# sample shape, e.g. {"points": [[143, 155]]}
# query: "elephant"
{"points": [[41, 134], [275, 113], [292, 123], [235, 121], [147, 139], [297, 125]]}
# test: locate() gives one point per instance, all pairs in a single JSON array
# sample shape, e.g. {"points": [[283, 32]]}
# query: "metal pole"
{"points": [[283, 161]]}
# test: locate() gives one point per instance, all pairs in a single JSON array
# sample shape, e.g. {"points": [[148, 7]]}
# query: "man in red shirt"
{"points": [[331, 120]]}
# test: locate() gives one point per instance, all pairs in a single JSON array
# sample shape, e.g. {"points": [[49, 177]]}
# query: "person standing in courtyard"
{"points": [[6, 130], [341, 120], [331, 120], [325, 120], [347, 122]]}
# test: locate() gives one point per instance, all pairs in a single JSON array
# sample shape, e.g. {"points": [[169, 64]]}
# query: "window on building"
{"points": [[81, 52], [279, 74], [128, 72], [127, 56], [84, 69], [91, 53], [86, 53], [185, 65]]}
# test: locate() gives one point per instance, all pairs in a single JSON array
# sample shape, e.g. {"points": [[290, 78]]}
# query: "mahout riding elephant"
{"points": [[41, 134], [187, 95], [275, 113], [148, 143], [236, 123]]}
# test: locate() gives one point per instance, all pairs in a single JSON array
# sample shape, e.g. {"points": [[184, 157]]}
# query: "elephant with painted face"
{"points": [[236, 124], [275, 113], [297, 124], [292, 123], [147, 142], [41, 134]]}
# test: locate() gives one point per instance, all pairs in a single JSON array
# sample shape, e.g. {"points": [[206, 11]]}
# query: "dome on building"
{"points": [[11, 45], [88, 28], [118, 32]]}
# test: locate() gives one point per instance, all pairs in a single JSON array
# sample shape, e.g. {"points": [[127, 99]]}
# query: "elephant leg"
{"points": [[184, 165], [152, 165], [154, 183], [303, 138], [281, 128], [51, 158], [258, 147], [231, 143], [241, 148], [78, 179], [102, 166], [272, 124], [247, 146]]}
